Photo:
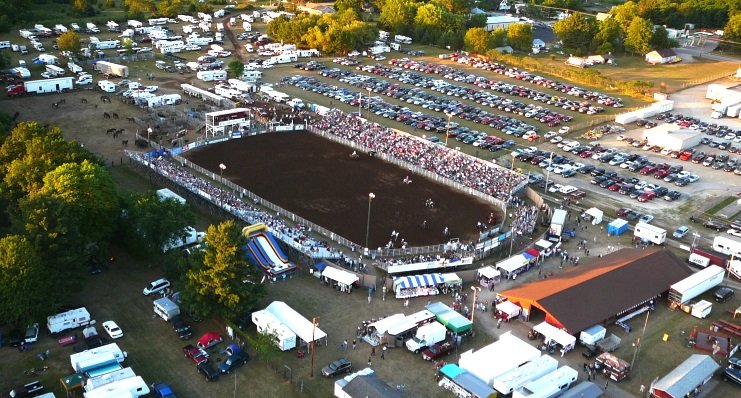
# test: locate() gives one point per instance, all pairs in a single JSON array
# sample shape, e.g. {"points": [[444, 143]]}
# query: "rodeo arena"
{"points": [[422, 255]]}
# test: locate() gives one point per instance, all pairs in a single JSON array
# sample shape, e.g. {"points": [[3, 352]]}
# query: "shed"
{"points": [[694, 372], [667, 56], [617, 227], [499, 21], [673, 137]]}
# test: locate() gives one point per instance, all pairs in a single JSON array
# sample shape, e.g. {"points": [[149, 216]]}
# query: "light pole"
{"points": [[447, 128], [222, 167], [637, 344], [367, 224], [475, 289], [696, 235]]}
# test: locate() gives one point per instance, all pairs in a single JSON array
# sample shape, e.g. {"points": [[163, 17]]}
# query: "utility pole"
{"points": [[313, 329], [638, 343]]}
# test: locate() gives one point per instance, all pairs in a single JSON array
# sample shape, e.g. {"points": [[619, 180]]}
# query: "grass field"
{"points": [[674, 77]]}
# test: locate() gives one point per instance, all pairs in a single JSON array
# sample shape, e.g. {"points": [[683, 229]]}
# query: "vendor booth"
{"points": [[377, 330], [617, 227], [425, 285], [507, 310], [340, 279], [488, 276], [553, 335], [594, 215], [612, 367], [513, 266], [455, 322]]}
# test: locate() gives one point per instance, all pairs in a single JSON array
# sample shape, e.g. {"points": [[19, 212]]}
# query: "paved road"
{"points": [[705, 51]]}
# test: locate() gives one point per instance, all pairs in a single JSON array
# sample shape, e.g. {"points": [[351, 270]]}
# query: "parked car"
{"points": [[208, 371], [112, 329], [181, 328], [342, 365], [716, 225], [723, 294], [156, 286], [680, 232], [32, 334], [646, 218], [437, 350], [209, 339], [233, 361], [162, 390], [195, 354]]}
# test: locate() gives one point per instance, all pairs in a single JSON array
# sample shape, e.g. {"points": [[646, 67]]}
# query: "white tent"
{"points": [[511, 309], [294, 321], [339, 275], [596, 215], [546, 329], [387, 323], [503, 355], [512, 264], [489, 272], [564, 339]]}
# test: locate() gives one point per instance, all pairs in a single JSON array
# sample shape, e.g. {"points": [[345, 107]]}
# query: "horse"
{"points": [[83, 100], [125, 143], [110, 131], [115, 115], [106, 115]]}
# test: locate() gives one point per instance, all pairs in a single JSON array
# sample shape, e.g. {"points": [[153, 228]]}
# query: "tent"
{"points": [[512, 264], [488, 272], [501, 356], [545, 247], [531, 253], [383, 325], [511, 309], [268, 324], [564, 339], [341, 276], [546, 329], [294, 321], [411, 281], [617, 227], [594, 214]]}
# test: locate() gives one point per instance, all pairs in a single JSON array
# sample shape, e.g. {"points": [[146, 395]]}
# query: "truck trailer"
{"points": [[57, 85], [89, 358], [696, 284], [191, 236], [727, 246], [533, 370], [111, 69], [650, 233], [133, 385]]}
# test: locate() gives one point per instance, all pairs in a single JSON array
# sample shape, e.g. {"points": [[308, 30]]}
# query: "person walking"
{"points": [[607, 384], [354, 344], [369, 362], [343, 346]]}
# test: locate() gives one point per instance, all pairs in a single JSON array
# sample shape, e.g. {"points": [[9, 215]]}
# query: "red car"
{"points": [[196, 354], [585, 154], [646, 196], [686, 155], [661, 174], [209, 339], [614, 187], [648, 170], [437, 350]]}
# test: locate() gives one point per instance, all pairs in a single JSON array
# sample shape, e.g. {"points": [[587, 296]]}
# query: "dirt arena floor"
{"points": [[316, 179]]}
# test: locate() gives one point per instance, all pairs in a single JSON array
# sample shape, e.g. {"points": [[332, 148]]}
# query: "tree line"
{"points": [[63, 211]]}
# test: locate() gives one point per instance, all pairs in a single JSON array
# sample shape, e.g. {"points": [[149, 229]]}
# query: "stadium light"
{"points": [[371, 196]]}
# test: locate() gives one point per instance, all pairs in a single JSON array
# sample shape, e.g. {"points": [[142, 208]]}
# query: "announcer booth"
{"points": [[230, 120], [514, 265]]}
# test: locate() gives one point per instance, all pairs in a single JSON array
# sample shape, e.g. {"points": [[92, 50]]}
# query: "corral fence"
{"points": [[705, 79]]}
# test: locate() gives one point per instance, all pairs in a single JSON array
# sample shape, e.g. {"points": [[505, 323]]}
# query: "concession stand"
{"points": [[507, 310], [425, 284], [513, 266], [612, 366]]}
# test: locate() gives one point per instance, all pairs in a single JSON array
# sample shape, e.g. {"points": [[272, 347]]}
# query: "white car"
{"points": [[564, 130], [556, 139], [549, 135], [693, 177], [156, 286], [620, 137], [555, 188], [734, 232], [112, 329]]}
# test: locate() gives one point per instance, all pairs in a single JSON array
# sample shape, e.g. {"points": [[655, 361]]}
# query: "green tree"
{"points": [[128, 45], [79, 6], [223, 284], [69, 41], [520, 37], [660, 39], [342, 5], [29, 153], [460, 7], [27, 293], [625, 13], [476, 21], [397, 16], [732, 29], [236, 68], [265, 345], [576, 31], [476, 40], [498, 38], [149, 222], [89, 196], [609, 36], [430, 16], [638, 38]]}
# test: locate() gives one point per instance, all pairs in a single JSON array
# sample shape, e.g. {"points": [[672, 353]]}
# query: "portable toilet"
{"points": [[617, 227]]}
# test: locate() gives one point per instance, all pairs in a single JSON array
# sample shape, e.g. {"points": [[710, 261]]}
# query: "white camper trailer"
{"points": [[507, 382], [68, 320], [211, 75], [85, 360], [133, 385], [108, 378], [650, 233], [166, 308], [268, 324]]}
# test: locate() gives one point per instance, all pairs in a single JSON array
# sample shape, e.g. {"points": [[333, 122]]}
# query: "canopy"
{"points": [[596, 215], [546, 329], [564, 339], [532, 253], [513, 263], [383, 325], [544, 244], [295, 322], [423, 280], [511, 309], [341, 276], [320, 266], [489, 272]]}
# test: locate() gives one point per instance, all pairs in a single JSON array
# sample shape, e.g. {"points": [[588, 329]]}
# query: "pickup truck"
{"points": [[197, 355], [437, 350]]}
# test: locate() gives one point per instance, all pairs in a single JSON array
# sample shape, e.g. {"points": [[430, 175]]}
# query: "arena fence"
{"points": [[371, 253]]}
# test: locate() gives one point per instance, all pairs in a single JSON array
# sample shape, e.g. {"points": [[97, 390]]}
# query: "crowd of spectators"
{"points": [[454, 165], [523, 218], [297, 236]]}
